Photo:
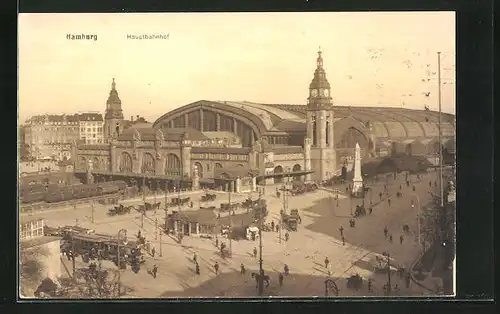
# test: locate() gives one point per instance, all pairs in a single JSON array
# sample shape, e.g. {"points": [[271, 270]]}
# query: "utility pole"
{"points": [[161, 232], [156, 228], [154, 192], [230, 221], [119, 272], [281, 215], [93, 209], [441, 197], [389, 287], [122, 235], [261, 270], [73, 255]]}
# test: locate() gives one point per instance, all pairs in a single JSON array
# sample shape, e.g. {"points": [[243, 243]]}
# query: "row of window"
{"points": [[90, 130]]}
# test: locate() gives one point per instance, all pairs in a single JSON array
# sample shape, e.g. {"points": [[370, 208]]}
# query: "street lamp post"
{"points": [[230, 185], [261, 270], [93, 209], [388, 255], [418, 219], [122, 235], [156, 228]]}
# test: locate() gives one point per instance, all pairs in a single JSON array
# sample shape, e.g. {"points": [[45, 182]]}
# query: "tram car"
{"points": [[88, 246]]}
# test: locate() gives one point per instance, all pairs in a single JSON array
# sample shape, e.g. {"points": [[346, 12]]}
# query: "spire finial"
{"points": [[319, 61], [113, 84]]}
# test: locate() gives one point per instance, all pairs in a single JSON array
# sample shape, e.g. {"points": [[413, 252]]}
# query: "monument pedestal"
{"points": [[357, 189]]}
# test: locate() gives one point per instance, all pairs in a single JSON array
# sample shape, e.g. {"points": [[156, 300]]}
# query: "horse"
{"points": [[257, 277]]}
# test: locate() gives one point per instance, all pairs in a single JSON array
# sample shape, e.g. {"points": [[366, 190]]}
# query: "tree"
{"points": [[31, 268], [438, 229]]}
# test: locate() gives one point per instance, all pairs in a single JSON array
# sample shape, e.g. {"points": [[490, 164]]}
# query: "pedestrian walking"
{"points": [[389, 202], [380, 195], [195, 258], [216, 242], [407, 183], [407, 280], [369, 284], [326, 262], [390, 238], [413, 188], [287, 236], [197, 268], [280, 278], [430, 184], [286, 269], [272, 225], [370, 210], [216, 267], [343, 240], [400, 187], [396, 290], [242, 269], [385, 231], [341, 229], [401, 239], [154, 271], [346, 190], [277, 227], [153, 251], [255, 252]]}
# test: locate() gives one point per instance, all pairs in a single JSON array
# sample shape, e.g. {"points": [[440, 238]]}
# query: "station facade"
{"points": [[241, 144]]}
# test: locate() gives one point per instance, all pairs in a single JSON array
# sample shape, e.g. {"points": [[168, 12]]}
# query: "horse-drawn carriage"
{"points": [[177, 201], [291, 220], [301, 188], [359, 211], [120, 210], [149, 206], [228, 207], [249, 203], [354, 282], [208, 197]]}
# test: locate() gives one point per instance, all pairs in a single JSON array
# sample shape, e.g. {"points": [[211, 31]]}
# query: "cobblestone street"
{"points": [[318, 236]]}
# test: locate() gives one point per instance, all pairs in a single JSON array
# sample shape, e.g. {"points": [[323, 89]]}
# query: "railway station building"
{"points": [[237, 145]]}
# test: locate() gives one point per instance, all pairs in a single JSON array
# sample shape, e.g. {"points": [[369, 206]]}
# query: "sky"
{"points": [[371, 59]]}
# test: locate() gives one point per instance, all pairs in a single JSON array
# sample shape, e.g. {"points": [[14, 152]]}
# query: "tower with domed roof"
{"points": [[320, 119], [113, 119]]}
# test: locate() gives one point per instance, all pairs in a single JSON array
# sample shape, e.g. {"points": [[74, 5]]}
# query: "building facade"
{"points": [[236, 142], [50, 136], [91, 128]]}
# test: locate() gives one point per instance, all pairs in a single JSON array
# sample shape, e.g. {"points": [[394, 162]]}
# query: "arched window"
{"points": [[350, 137], [218, 165], [278, 170], [125, 163], [96, 164], [199, 167], [148, 164], [296, 168], [172, 165], [82, 163]]}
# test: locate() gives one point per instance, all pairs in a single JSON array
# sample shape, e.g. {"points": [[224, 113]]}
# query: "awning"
{"points": [[286, 174]]}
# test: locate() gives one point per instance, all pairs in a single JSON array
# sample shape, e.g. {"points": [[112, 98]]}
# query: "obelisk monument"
{"points": [[357, 181]]}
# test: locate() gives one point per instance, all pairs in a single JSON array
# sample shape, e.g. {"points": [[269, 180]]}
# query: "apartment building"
{"points": [[90, 128], [51, 136]]}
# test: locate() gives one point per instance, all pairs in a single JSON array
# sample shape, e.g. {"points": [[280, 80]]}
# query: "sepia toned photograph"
{"points": [[236, 155]]}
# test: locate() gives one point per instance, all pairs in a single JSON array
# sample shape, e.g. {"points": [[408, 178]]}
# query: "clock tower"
{"points": [[320, 125], [113, 119]]}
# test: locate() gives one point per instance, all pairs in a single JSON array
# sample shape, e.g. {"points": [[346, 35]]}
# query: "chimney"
{"points": [[131, 118]]}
